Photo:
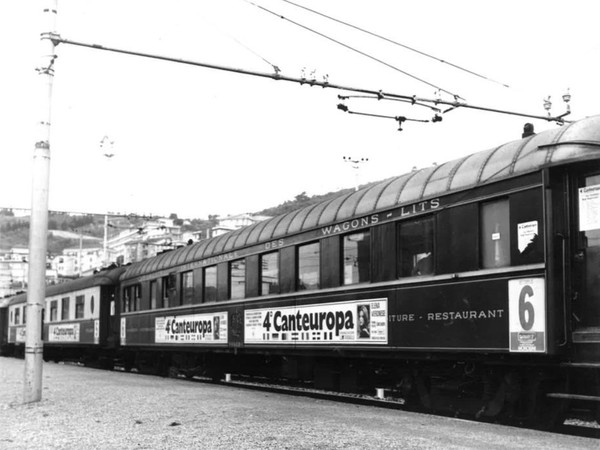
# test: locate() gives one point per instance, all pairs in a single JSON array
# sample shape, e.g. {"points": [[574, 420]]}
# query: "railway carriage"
{"points": [[14, 315], [79, 319], [471, 286]]}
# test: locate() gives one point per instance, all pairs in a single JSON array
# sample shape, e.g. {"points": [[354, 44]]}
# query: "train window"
{"points": [[53, 310], [495, 234], [11, 317], [17, 316], [64, 308], [210, 284], [187, 287], [153, 294], [357, 257], [137, 297], [24, 314], [415, 240], [79, 307], [126, 299], [237, 279], [309, 266], [269, 273], [166, 286]]}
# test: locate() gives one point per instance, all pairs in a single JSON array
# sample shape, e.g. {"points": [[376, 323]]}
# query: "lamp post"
{"points": [[106, 148]]}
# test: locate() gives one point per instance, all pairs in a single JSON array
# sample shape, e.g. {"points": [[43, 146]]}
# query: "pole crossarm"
{"points": [[413, 99]]}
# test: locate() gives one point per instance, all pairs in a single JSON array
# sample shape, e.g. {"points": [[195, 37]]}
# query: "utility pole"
{"points": [[38, 231]]}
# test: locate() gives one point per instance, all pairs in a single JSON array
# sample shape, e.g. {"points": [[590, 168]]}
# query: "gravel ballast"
{"points": [[95, 409]]}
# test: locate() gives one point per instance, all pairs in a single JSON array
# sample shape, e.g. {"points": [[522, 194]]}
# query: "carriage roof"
{"points": [[572, 142]]}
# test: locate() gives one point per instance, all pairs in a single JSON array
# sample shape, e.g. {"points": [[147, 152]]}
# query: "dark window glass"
{"points": [[17, 316], [416, 247], [65, 303], [237, 279], [153, 295], [53, 310], [127, 299], [269, 273], [79, 306], [166, 287], [495, 234], [187, 287], [92, 305], [309, 266], [210, 284], [24, 314], [357, 257], [136, 298]]}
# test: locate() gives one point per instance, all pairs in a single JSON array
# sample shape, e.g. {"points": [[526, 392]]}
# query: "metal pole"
{"points": [[38, 231], [105, 255]]}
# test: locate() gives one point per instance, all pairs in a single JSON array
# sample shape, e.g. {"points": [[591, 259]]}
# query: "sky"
{"points": [[197, 142]]}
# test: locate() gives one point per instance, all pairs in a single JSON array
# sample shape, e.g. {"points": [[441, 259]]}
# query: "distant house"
{"points": [[231, 223]]}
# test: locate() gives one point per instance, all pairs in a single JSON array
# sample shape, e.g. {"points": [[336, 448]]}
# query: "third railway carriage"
{"points": [[470, 286]]}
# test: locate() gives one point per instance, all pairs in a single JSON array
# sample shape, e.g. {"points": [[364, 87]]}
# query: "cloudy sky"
{"points": [[196, 141]]}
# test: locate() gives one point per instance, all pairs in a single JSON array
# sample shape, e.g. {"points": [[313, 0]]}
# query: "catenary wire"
{"points": [[356, 50], [397, 43]]}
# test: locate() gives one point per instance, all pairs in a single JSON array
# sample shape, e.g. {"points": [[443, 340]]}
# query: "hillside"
{"points": [[64, 229]]}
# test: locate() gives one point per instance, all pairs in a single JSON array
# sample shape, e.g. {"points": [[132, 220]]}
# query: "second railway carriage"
{"points": [[79, 318], [470, 286]]}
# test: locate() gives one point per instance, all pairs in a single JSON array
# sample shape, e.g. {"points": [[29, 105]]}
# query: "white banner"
{"points": [[589, 208], [354, 322], [64, 333], [191, 329]]}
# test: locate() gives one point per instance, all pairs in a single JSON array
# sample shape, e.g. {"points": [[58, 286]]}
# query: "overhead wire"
{"points": [[438, 88], [397, 43]]}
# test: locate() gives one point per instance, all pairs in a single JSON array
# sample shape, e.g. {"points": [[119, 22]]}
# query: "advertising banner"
{"points": [[353, 322], [191, 329], [68, 332]]}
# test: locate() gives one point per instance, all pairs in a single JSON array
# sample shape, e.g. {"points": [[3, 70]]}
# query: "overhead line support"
{"points": [[312, 82]]}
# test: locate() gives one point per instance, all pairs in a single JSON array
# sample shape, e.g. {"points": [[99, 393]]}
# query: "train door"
{"points": [[586, 252]]}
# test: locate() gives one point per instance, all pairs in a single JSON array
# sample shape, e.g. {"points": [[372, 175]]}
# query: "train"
{"points": [[470, 287]]}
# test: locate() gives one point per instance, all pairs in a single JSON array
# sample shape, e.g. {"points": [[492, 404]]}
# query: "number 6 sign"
{"points": [[527, 315]]}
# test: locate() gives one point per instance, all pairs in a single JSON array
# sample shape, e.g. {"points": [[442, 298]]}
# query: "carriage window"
{"points": [[153, 295], [64, 312], [79, 304], [53, 310], [495, 235], [309, 266], [416, 247], [136, 298], [17, 316], [237, 279], [24, 314], [127, 299], [357, 257], [166, 286], [187, 287], [11, 317], [210, 284], [269, 273]]}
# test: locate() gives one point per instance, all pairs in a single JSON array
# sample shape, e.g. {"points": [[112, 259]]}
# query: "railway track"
{"points": [[579, 423]]}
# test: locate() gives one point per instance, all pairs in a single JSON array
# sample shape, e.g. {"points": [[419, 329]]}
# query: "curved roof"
{"points": [[575, 141]]}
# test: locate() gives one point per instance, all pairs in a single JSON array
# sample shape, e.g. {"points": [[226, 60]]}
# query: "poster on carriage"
{"points": [[191, 329], [589, 208], [353, 322]]}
